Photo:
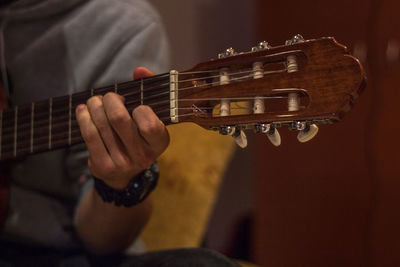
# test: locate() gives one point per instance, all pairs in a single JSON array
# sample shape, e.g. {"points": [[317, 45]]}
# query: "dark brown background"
{"points": [[335, 201], [331, 202]]}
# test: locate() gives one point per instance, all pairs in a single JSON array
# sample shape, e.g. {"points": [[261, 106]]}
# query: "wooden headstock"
{"points": [[320, 76]]}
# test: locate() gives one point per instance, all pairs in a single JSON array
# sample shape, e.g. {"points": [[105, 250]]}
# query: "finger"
{"points": [[98, 153], [111, 140], [127, 131], [151, 128], [142, 72]]}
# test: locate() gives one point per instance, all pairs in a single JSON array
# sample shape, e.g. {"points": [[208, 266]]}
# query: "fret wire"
{"points": [[76, 130], [154, 104], [32, 124], [50, 119], [15, 130], [92, 91], [37, 113], [42, 141], [69, 119], [116, 88]]}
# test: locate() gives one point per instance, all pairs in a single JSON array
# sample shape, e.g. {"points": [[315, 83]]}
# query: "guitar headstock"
{"points": [[300, 84]]}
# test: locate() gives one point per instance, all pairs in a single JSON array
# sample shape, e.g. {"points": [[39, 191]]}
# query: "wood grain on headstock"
{"points": [[327, 74]]}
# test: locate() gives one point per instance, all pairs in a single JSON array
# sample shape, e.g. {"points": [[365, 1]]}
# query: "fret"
{"points": [[154, 91], [7, 133], [141, 91], [32, 126], [41, 124], [77, 99], [61, 117], [15, 130], [51, 124], [69, 119], [23, 119], [50, 119]]}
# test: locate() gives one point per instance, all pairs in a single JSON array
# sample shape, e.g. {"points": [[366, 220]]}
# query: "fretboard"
{"points": [[51, 124]]}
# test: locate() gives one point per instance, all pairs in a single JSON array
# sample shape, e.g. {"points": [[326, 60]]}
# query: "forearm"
{"points": [[105, 228]]}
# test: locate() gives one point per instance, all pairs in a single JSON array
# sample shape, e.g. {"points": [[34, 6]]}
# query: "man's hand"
{"points": [[120, 146]]}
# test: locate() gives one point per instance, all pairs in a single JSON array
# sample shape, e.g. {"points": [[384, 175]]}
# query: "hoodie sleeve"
{"points": [[106, 40]]}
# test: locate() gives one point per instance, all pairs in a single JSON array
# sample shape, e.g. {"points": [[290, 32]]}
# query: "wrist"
{"points": [[136, 190]]}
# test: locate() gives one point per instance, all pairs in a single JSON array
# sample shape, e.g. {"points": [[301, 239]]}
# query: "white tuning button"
{"points": [[271, 132], [240, 137], [308, 133], [274, 137]]}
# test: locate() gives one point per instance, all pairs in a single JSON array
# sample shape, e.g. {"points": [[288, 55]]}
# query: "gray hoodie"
{"points": [[58, 47]]}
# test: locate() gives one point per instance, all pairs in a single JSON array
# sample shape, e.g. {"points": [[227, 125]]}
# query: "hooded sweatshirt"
{"points": [[52, 48]]}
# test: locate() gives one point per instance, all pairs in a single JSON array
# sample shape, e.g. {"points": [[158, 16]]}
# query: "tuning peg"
{"points": [[225, 130], [307, 132], [228, 52], [271, 132], [274, 137], [295, 39], [240, 137], [261, 46]]}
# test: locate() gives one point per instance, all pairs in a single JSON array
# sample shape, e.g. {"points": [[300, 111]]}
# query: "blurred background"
{"points": [[335, 200]]}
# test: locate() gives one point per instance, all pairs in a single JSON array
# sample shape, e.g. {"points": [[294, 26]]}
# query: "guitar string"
{"points": [[42, 124], [186, 88], [153, 96], [57, 109], [206, 84], [158, 87], [56, 137], [137, 82]]}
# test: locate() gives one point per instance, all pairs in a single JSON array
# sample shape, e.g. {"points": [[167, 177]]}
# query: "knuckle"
{"points": [[152, 127], [142, 109], [118, 117], [110, 95], [95, 101]]}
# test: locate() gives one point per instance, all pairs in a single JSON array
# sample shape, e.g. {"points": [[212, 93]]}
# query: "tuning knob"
{"points": [[295, 39], [240, 137], [225, 130], [228, 52], [274, 137], [261, 46], [271, 132], [308, 133]]}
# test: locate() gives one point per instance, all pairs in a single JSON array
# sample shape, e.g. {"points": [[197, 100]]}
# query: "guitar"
{"points": [[299, 85]]}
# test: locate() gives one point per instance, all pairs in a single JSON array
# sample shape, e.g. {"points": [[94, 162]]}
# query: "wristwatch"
{"points": [[136, 191]]}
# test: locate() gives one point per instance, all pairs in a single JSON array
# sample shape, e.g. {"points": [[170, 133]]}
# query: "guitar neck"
{"points": [[51, 124]]}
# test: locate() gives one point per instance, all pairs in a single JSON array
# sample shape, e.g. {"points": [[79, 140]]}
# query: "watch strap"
{"points": [[134, 193]]}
